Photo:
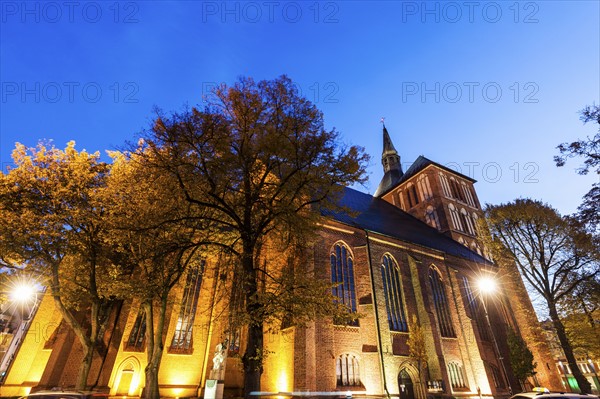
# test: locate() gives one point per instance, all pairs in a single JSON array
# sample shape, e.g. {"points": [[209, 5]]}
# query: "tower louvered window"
{"points": [[425, 187], [392, 291], [445, 185], [454, 215], [182, 340], [342, 275], [468, 194], [412, 195], [431, 217], [442, 309]]}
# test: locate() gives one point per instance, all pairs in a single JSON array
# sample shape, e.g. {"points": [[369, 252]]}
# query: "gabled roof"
{"points": [[376, 215], [420, 163]]}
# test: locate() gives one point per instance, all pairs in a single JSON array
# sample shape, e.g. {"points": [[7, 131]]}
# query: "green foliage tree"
{"points": [[53, 224], [259, 158], [589, 149], [553, 253], [521, 358]]}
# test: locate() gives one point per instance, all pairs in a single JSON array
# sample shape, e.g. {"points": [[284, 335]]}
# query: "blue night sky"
{"points": [[490, 88]]}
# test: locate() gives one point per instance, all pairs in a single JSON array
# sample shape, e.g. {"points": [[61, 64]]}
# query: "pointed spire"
{"points": [[389, 156], [388, 146], [390, 160]]}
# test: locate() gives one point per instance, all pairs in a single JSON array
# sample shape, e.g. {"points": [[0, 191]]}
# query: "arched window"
{"points": [[455, 217], [445, 185], [467, 221], [401, 198], [474, 310], [182, 340], [431, 217], [475, 223], [342, 274], [412, 195], [456, 191], [347, 371], [440, 302], [425, 187], [456, 374], [467, 193], [392, 290], [493, 370], [138, 333]]}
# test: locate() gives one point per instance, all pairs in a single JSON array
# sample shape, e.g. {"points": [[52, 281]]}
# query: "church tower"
{"points": [[433, 193], [392, 168]]}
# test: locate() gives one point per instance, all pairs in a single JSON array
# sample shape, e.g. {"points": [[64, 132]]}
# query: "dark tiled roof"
{"points": [[379, 216], [390, 179]]}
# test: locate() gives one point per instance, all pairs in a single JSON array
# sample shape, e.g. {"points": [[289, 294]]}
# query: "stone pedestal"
{"points": [[213, 389]]}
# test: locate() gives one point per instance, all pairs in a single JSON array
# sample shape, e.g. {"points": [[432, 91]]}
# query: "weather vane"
{"points": [[383, 120]]}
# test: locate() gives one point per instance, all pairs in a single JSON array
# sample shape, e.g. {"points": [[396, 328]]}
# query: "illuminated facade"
{"points": [[411, 251]]}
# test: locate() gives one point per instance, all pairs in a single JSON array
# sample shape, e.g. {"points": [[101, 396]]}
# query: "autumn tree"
{"points": [[580, 311], [554, 254], [417, 348], [53, 224], [149, 223], [259, 157], [589, 149], [521, 358]]}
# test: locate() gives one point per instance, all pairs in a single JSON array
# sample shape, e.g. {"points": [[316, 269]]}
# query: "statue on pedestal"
{"points": [[218, 361]]}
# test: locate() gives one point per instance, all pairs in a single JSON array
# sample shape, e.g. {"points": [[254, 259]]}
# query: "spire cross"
{"points": [[383, 120]]}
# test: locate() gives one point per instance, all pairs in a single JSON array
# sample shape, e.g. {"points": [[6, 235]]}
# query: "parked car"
{"points": [[60, 394], [546, 394]]}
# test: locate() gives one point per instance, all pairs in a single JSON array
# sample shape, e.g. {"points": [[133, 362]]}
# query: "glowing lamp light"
{"points": [[22, 293], [487, 285]]}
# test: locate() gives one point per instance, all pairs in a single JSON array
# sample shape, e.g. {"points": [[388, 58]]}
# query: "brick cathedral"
{"points": [[409, 252]]}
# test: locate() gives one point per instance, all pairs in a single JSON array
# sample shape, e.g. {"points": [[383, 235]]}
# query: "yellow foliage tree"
{"points": [[53, 224]]}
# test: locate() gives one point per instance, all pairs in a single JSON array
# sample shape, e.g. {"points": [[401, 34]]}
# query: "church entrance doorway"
{"points": [[406, 385]]}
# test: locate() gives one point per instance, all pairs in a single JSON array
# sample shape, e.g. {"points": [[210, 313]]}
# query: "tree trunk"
{"points": [[254, 355], [583, 383], [154, 349], [85, 368], [151, 390], [252, 360]]}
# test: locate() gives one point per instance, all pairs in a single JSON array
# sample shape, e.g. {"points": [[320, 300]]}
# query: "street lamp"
{"points": [[487, 286], [23, 292]]}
